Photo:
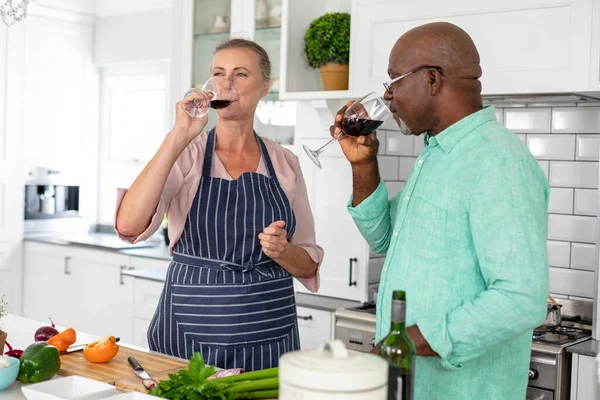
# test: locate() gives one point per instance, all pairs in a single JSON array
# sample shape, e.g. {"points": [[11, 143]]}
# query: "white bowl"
{"points": [[71, 387], [133, 396]]}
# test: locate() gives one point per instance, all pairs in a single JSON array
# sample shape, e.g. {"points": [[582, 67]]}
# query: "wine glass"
{"points": [[363, 117], [221, 91]]}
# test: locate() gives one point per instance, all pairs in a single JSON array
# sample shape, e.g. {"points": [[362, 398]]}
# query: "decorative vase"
{"points": [[334, 76], [2, 341]]}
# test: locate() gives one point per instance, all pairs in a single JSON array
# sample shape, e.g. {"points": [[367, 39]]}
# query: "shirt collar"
{"points": [[450, 136]]}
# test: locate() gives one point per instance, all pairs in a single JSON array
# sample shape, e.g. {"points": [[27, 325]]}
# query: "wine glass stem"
{"points": [[320, 149]]}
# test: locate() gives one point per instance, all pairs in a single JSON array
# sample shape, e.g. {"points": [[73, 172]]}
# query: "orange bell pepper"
{"points": [[101, 351], [63, 340]]}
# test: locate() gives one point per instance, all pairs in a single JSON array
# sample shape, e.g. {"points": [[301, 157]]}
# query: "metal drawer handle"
{"points": [[123, 268], [350, 281], [305, 318], [67, 270]]}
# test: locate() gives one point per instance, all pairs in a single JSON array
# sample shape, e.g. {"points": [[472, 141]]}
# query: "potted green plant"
{"points": [[327, 47], [3, 312]]}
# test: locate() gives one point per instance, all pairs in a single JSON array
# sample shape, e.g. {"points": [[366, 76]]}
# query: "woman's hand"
{"points": [[358, 150], [273, 240], [185, 125]]}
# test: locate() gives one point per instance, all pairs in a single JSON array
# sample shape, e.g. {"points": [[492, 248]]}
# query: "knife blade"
{"points": [[139, 371]]}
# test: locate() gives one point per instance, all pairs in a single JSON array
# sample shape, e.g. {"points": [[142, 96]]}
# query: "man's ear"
{"points": [[434, 81]]}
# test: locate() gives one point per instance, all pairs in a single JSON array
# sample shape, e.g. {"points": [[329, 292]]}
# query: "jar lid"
{"points": [[332, 367]]}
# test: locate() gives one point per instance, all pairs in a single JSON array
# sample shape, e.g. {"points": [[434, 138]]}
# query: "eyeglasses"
{"points": [[388, 85]]}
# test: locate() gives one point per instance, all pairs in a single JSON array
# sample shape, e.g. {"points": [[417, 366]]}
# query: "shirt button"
{"points": [[395, 233], [407, 198], [420, 162]]}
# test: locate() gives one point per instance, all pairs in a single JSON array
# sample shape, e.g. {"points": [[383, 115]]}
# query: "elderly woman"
{"points": [[240, 227]]}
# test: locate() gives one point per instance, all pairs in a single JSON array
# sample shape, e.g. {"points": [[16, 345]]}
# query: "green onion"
{"points": [[261, 394], [251, 386], [249, 376]]}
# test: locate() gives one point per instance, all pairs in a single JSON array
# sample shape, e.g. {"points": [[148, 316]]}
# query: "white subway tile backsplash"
{"points": [[393, 188], [406, 164], [576, 120], [552, 147], [500, 115], [527, 120], [545, 166], [582, 174], [572, 228], [559, 253], [399, 144], [418, 145], [588, 147], [561, 201], [583, 256], [382, 137], [586, 202], [388, 168], [572, 282]]}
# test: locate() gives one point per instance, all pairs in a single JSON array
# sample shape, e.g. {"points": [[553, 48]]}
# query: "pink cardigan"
{"points": [[182, 184]]}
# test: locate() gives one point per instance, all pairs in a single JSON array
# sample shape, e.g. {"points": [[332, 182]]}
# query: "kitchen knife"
{"points": [[139, 371]]}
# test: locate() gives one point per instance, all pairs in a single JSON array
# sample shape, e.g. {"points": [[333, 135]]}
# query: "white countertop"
{"points": [[20, 335]]}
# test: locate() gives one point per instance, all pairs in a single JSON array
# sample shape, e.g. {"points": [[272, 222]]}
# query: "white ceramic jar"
{"points": [[332, 372]]}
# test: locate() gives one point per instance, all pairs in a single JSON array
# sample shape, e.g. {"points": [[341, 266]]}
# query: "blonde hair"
{"points": [[264, 62]]}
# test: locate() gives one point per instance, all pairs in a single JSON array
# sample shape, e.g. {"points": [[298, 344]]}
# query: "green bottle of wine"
{"points": [[399, 350]]}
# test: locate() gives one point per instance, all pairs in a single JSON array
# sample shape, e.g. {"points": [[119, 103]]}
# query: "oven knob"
{"points": [[533, 374]]}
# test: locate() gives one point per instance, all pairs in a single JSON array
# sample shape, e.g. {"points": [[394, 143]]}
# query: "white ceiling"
{"points": [[106, 8]]}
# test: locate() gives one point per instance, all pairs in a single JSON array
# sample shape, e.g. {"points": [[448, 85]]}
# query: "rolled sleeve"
{"points": [[509, 225], [372, 218]]}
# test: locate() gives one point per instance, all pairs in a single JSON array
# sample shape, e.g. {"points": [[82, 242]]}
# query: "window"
{"points": [[133, 115]]}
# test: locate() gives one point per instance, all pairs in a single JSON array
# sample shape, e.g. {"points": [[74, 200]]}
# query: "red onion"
{"points": [[45, 332], [13, 353]]}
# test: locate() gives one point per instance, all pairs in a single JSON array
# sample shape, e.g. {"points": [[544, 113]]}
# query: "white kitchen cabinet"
{"points": [[584, 378], [315, 327], [517, 56], [146, 296], [345, 268], [79, 6], [104, 295], [49, 286]]}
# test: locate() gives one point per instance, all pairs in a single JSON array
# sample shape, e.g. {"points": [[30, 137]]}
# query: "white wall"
{"points": [[133, 38]]}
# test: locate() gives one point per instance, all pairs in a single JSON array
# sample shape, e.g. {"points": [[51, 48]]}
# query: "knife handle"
{"points": [[134, 363]]}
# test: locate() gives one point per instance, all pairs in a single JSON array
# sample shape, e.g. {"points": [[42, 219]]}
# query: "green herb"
{"points": [[192, 384], [328, 40]]}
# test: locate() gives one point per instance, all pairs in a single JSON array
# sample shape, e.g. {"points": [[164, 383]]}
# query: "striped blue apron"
{"points": [[223, 297]]}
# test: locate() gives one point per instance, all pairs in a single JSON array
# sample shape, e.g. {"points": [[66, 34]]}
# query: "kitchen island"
{"points": [[21, 334]]}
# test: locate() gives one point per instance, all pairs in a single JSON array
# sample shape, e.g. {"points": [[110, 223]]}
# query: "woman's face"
{"points": [[240, 68]]}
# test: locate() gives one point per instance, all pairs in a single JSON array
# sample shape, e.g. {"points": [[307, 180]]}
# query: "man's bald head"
{"points": [[434, 99], [441, 44]]}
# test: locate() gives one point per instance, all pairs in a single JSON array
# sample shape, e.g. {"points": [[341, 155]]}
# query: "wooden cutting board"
{"points": [[134, 384], [118, 368]]}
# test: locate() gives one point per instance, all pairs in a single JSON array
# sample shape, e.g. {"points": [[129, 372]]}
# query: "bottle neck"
{"points": [[398, 315]]}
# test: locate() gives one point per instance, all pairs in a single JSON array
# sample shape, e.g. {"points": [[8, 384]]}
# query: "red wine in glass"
{"points": [[218, 104], [359, 126]]}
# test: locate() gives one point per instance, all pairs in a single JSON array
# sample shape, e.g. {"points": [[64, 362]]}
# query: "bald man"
{"points": [[466, 237]]}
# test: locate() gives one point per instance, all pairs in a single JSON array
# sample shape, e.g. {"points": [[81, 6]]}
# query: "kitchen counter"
{"points": [[590, 348]]}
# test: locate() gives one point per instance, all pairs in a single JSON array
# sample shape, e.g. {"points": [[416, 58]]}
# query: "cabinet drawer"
{"points": [[314, 326], [146, 296]]}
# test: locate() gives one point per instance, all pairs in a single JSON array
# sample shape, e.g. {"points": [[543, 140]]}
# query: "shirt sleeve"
{"points": [[304, 235], [509, 226], [373, 219], [173, 185]]}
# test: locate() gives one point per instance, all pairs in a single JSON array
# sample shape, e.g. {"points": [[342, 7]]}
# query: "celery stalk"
{"points": [[261, 394], [250, 386], [249, 376]]}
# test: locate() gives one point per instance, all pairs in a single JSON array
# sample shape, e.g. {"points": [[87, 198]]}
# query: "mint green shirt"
{"points": [[466, 240]]}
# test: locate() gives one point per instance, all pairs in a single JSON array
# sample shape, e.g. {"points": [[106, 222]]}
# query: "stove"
{"points": [[550, 365]]}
